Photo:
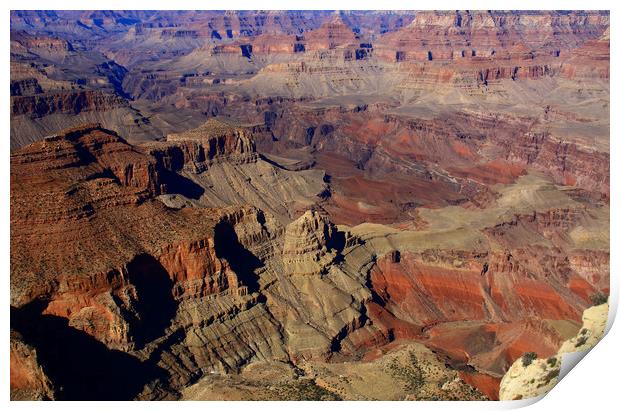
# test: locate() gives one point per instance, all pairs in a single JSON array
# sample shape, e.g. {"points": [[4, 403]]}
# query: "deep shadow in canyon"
{"points": [[241, 260], [156, 305], [81, 367]]}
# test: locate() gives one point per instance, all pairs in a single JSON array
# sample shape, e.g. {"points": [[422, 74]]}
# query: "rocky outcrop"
{"points": [[531, 377], [321, 194], [66, 103], [25, 87], [334, 33], [216, 152], [310, 244], [28, 379], [73, 160], [141, 282], [448, 35], [214, 140], [23, 41]]}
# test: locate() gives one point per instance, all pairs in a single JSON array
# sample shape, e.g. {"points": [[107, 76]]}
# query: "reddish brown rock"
{"points": [[28, 379], [66, 103], [476, 142]]}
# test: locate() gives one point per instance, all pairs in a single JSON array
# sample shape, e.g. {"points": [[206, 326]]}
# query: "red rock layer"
{"points": [[483, 34], [480, 310], [66, 103], [24, 41], [28, 379], [89, 187]]}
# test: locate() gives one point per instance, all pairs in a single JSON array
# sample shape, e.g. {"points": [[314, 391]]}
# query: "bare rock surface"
{"points": [[532, 377], [305, 204]]}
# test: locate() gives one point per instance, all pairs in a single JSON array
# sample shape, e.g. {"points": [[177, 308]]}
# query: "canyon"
{"points": [[300, 205]]}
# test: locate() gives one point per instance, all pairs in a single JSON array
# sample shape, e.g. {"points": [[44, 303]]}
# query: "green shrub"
{"points": [[598, 298], [581, 341], [551, 376], [528, 357], [413, 375]]}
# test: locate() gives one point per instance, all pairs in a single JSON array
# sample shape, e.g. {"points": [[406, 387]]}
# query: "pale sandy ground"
{"points": [[406, 372]]}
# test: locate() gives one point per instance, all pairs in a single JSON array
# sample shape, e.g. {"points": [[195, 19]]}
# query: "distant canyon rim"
{"points": [[306, 205]]}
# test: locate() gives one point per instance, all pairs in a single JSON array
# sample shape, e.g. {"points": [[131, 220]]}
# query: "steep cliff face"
{"points": [[140, 282], [22, 41], [218, 152], [219, 139], [67, 103], [451, 35], [197, 149], [28, 379], [433, 288]]}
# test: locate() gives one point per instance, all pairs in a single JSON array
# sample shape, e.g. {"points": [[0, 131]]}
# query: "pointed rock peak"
{"points": [[336, 20], [336, 23], [331, 34], [312, 218], [310, 232]]}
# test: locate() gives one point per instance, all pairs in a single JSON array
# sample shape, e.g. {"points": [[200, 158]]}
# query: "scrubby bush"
{"points": [[581, 341], [528, 357], [598, 298]]}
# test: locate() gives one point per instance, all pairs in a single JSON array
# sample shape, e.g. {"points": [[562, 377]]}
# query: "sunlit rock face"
{"points": [[305, 205]]}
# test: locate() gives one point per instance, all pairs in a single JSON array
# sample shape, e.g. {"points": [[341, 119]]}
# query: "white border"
{"points": [[591, 385]]}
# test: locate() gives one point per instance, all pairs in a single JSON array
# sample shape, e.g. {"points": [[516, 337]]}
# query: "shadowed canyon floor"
{"points": [[305, 205]]}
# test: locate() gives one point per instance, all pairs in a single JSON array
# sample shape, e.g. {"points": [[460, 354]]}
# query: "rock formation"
{"points": [[531, 377], [304, 205]]}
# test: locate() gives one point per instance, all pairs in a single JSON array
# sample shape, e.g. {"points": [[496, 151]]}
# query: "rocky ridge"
{"points": [[238, 285], [302, 195], [531, 377]]}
